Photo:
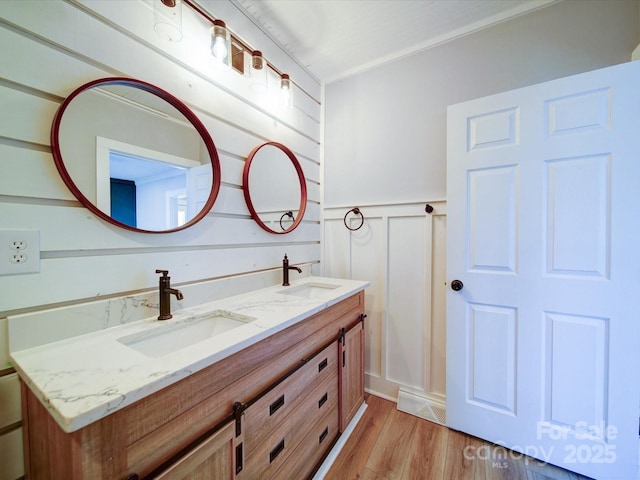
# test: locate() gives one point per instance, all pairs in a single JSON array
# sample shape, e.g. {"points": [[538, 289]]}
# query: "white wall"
{"points": [[385, 128], [50, 47], [384, 151]]}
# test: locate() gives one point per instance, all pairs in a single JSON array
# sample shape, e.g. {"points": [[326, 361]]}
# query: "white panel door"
{"points": [[543, 339]]}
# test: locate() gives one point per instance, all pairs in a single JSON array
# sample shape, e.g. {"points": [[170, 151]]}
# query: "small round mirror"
{"points": [[135, 155], [274, 188]]}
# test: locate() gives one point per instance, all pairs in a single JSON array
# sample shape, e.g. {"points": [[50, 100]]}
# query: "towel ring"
{"points": [[286, 214], [356, 211]]}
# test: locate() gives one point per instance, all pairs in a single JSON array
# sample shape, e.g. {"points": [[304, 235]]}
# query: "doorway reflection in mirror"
{"points": [[145, 189]]}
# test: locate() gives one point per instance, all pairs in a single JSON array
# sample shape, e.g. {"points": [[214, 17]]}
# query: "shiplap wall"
{"points": [[50, 47]]}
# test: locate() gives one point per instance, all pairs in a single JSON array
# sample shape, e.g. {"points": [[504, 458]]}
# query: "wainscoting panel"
{"points": [[400, 249]]}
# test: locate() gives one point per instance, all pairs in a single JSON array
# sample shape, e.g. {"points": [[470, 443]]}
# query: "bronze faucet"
{"points": [[285, 271], [166, 291]]}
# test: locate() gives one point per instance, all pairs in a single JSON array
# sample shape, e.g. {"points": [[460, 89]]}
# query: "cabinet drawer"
{"points": [[306, 457], [263, 417], [263, 458]]}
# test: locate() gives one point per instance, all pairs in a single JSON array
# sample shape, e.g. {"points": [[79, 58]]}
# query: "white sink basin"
{"points": [[172, 336], [309, 290]]}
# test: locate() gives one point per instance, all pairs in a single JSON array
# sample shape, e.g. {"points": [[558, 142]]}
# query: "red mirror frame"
{"points": [[167, 97], [247, 193]]}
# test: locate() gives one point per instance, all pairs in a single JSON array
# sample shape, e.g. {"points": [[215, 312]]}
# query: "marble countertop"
{"points": [[85, 378]]}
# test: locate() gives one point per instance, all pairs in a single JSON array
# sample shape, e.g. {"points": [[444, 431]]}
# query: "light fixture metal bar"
{"points": [[234, 38], [246, 47]]}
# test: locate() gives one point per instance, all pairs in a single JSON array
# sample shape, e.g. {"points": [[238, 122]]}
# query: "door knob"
{"points": [[457, 285]]}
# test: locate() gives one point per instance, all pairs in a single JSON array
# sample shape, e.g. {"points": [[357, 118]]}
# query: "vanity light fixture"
{"points": [[167, 19], [286, 91], [221, 45], [257, 60], [258, 72]]}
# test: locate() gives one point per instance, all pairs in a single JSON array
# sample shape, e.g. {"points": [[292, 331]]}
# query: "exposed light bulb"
{"points": [[257, 61], [286, 94], [258, 73], [219, 48], [221, 44], [167, 19]]}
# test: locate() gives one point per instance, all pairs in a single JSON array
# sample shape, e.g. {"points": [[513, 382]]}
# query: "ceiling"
{"points": [[333, 39]]}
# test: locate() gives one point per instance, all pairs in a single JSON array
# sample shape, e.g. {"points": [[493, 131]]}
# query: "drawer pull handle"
{"points": [[323, 435], [322, 365], [239, 458], [276, 451], [322, 400], [273, 408]]}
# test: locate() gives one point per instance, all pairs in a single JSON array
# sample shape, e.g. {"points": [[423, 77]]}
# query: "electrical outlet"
{"points": [[19, 244], [18, 258], [19, 251]]}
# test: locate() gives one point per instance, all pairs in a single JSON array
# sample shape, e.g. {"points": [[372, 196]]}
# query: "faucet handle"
{"points": [[163, 272]]}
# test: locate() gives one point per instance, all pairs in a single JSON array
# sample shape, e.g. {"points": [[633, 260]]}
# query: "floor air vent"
{"points": [[421, 407]]}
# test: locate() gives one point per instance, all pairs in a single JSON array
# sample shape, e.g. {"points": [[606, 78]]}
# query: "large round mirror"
{"points": [[274, 187], [135, 155]]}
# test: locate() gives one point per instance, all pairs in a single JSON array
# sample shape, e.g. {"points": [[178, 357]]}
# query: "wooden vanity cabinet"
{"points": [[351, 373], [175, 433]]}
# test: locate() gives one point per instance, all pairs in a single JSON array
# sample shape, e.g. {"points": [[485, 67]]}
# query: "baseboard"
{"points": [[381, 395], [340, 443]]}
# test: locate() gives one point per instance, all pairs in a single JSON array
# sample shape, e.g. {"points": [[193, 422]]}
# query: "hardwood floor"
{"points": [[389, 444]]}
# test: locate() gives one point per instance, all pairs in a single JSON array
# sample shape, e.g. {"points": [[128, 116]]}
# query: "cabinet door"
{"points": [[213, 458], [352, 374]]}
